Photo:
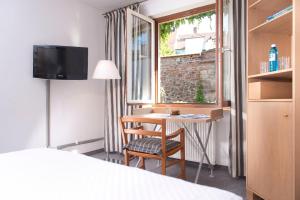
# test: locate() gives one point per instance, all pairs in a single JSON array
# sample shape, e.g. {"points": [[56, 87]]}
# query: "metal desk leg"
{"points": [[204, 149], [154, 129], [138, 162], [195, 142]]}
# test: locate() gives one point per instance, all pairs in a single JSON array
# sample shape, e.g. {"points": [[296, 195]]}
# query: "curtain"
{"points": [[115, 99], [238, 90]]}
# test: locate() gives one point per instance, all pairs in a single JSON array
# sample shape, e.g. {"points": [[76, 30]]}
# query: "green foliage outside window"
{"points": [[200, 98], [165, 49], [167, 28]]}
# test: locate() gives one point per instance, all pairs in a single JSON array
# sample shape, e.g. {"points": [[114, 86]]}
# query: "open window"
{"points": [[140, 58], [177, 59], [186, 65]]}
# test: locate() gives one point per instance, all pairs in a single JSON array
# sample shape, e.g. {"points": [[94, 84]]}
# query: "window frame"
{"points": [[219, 43], [129, 14]]}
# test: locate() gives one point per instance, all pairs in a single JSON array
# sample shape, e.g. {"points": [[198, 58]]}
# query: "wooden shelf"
{"points": [[282, 24], [264, 5], [281, 74], [270, 100], [255, 4]]}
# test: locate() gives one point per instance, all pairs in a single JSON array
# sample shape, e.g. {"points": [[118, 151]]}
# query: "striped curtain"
{"points": [[115, 100], [238, 91]]}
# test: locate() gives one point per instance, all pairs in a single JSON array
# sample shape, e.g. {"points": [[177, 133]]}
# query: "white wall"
{"points": [[159, 8], [222, 130], [76, 106]]}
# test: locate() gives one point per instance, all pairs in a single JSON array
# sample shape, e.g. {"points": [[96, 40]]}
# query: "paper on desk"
{"points": [[193, 116]]}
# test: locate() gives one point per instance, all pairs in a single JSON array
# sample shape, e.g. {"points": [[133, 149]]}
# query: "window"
{"points": [[227, 52], [140, 58], [187, 67]]}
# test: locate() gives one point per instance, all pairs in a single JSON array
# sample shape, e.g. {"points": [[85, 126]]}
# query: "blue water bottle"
{"points": [[273, 58]]}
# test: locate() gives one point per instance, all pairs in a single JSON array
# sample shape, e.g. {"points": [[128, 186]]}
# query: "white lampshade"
{"points": [[106, 69]]}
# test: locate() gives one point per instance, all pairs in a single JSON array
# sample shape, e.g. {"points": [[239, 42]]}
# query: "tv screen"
{"points": [[60, 62]]}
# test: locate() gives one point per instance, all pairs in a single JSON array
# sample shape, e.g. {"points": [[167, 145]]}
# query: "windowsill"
{"points": [[226, 105], [188, 106], [188, 54], [185, 105], [226, 108]]}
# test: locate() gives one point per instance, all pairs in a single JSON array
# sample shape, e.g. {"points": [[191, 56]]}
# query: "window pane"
{"points": [[140, 66], [187, 60], [227, 40]]}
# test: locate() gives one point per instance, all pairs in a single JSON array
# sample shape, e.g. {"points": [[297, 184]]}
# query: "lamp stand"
{"points": [[48, 113]]}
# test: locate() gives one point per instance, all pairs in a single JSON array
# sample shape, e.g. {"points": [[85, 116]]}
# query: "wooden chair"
{"points": [[152, 144]]}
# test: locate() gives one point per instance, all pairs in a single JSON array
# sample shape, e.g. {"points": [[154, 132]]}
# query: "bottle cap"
{"points": [[273, 45]]}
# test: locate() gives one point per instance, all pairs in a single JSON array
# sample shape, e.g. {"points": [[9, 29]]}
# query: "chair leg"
{"points": [[163, 166], [126, 158], [182, 163]]}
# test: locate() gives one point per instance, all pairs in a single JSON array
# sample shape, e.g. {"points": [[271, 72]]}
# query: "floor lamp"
{"points": [[106, 70]]}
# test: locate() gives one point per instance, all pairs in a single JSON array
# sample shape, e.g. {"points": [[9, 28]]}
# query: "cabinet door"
{"points": [[270, 150]]}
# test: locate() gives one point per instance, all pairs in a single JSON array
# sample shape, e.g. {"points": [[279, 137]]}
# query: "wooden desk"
{"points": [[180, 121]]}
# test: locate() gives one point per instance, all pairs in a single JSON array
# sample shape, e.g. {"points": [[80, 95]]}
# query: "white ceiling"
{"points": [[107, 5], [158, 8]]}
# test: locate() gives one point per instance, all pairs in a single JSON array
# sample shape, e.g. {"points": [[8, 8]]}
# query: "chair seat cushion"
{"points": [[150, 145]]}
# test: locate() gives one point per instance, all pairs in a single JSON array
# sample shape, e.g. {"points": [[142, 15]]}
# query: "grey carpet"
{"points": [[222, 179]]}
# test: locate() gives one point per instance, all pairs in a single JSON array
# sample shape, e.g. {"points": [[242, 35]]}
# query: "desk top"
{"points": [[182, 118], [199, 116]]}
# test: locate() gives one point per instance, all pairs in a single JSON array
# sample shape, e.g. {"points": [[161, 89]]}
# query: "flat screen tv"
{"points": [[60, 62]]}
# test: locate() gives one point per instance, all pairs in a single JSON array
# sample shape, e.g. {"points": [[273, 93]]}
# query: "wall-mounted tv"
{"points": [[60, 62]]}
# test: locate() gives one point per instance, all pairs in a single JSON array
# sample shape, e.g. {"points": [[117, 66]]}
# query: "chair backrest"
{"points": [[139, 131]]}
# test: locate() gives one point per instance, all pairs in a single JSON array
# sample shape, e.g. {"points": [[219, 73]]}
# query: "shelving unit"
{"points": [[263, 33], [271, 100], [285, 74], [273, 118], [280, 25], [264, 5]]}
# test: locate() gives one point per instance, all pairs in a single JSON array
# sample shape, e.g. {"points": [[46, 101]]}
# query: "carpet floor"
{"points": [[221, 179]]}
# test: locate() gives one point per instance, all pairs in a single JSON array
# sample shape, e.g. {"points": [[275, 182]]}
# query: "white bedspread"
{"points": [[44, 174]]}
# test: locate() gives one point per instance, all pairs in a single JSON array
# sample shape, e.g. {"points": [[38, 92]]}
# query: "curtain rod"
{"points": [[125, 6]]}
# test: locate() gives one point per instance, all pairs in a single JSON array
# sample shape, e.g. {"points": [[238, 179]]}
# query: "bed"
{"points": [[48, 174]]}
